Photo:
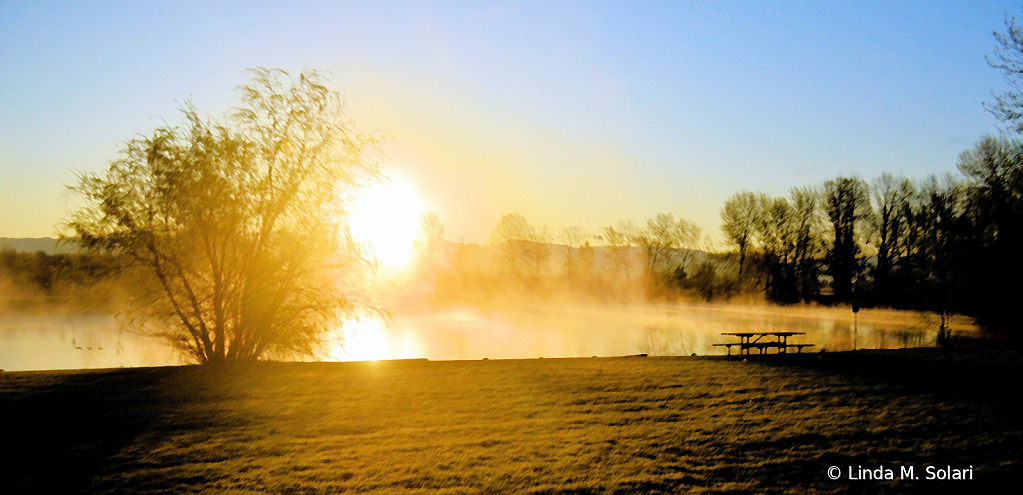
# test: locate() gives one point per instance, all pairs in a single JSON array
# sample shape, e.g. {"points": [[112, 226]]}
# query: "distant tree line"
{"points": [[944, 244], [627, 263], [80, 280]]}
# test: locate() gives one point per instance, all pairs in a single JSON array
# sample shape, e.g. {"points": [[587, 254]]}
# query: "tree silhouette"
{"points": [[740, 216], [619, 243], [947, 241], [808, 245], [237, 224], [668, 245], [1008, 57], [847, 205], [994, 170], [512, 235], [888, 195]]}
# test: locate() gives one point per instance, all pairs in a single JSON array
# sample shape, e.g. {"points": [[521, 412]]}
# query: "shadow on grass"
{"points": [[977, 374], [976, 389], [66, 429]]}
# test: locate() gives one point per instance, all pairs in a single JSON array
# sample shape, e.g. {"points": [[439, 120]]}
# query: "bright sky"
{"points": [[567, 113]]}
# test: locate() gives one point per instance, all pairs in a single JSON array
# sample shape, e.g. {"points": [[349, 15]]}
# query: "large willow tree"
{"points": [[237, 224]]}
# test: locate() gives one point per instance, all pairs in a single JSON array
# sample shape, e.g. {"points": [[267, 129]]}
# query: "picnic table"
{"points": [[779, 342]]}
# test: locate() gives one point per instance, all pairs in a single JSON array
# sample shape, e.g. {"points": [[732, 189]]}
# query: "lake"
{"points": [[55, 341]]}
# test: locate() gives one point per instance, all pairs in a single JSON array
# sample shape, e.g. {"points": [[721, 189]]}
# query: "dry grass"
{"points": [[611, 425]]}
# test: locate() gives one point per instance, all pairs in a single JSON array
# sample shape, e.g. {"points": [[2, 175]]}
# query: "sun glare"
{"points": [[364, 340], [387, 217], [373, 339]]}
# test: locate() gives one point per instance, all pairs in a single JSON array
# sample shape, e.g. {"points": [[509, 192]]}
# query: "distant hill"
{"points": [[45, 244], [479, 254]]}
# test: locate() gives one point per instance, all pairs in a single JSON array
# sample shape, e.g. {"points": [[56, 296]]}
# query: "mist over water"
{"points": [[49, 341], [669, 330]]}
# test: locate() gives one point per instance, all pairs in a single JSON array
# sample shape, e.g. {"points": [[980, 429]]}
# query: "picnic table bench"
{"points": [[746, 342]]}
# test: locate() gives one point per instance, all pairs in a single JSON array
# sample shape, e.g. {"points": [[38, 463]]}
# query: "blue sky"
{"points": [[568, 113]]}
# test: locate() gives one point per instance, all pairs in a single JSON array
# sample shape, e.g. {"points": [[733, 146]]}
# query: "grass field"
{"points": [[551, 426]]}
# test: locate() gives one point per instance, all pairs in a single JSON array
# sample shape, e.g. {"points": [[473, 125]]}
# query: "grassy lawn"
{"points": [[608, 425]]}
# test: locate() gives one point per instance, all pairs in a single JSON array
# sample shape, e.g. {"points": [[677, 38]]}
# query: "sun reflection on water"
{"points": [[371, 339]]}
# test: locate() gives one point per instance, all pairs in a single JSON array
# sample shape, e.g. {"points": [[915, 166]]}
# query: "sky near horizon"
{"points": [[569, 113]]}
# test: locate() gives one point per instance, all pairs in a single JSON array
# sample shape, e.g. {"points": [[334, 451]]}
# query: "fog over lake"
{"points": [[55, 341]]}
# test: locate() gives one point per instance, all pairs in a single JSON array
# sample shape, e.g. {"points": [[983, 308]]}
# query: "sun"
{"points": [[386, 216]]}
